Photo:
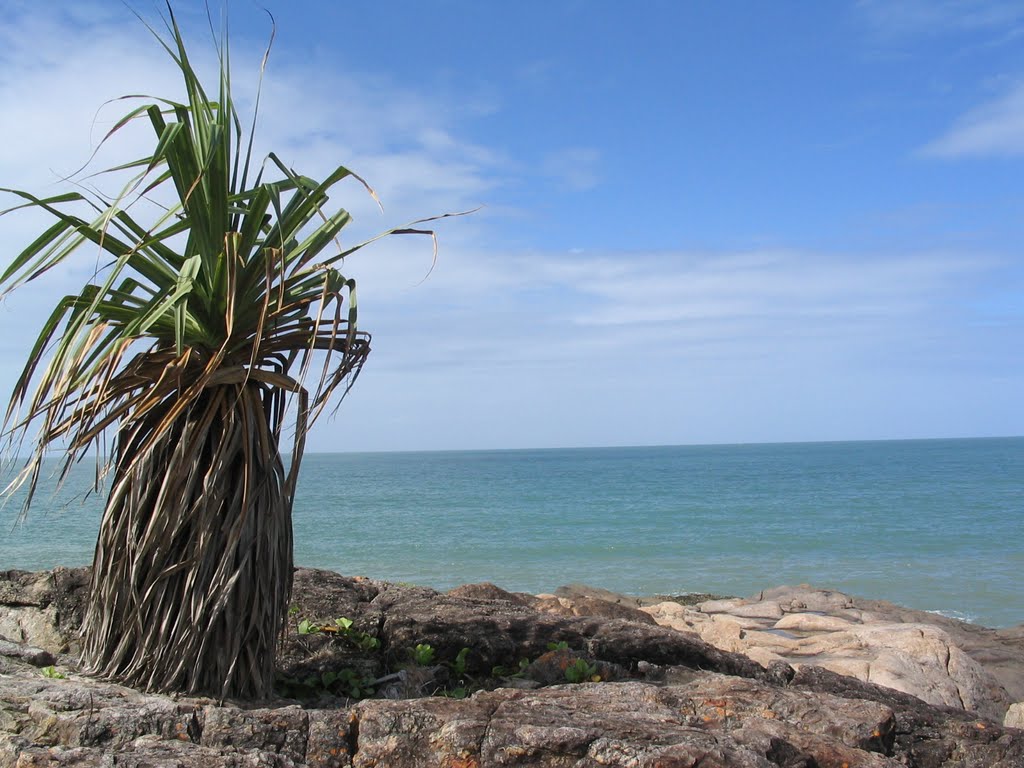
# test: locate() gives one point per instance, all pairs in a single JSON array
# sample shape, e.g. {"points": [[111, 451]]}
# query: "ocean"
{"points": [[936, 525]]}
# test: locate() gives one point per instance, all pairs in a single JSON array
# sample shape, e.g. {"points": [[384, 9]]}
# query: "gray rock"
{"points": [[677, 701], [501, 633], [43, 608], [488, 591], [585, 605], [711, 719], [37, 657]]}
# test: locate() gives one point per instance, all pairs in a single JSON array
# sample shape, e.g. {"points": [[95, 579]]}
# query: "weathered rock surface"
{"points": [[667, 698], [708, 720], [938, 659], [1015, 716], [43, 608], [705, 719]]}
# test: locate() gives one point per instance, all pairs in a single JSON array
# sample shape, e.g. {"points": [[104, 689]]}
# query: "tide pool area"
{"points": [[932, 524]]}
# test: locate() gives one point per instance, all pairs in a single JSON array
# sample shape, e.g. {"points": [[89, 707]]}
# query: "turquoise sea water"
{"points": [[932, 524]]}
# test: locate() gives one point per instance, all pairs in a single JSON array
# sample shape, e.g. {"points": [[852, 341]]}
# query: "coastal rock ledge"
{"points": [[941, 660], [647, 695]]}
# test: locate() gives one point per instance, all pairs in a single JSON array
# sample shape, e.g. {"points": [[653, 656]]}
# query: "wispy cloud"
{"points": [[56, 72], [916, 17], [55, 77], [544, 347], [995, 128], [574, 168], [52, 90], [772, 284], [569, 306], [537, 341]]}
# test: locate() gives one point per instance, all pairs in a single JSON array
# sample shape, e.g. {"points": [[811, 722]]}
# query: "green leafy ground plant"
{"points": [[343, 628], [345, 682], [422, 655], [582, 671], [189, 352], [52, 673]]}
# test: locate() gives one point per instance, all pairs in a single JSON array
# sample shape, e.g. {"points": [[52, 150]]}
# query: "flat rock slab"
{"points": [[813, 622], [712, 721], [940, 660]]}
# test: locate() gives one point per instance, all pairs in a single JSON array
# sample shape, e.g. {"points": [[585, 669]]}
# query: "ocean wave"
{"points": [[970, 618]]}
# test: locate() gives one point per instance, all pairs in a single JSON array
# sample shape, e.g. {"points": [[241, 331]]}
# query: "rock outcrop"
{"points": [[940, 660], [665, 698], [43, 608]]}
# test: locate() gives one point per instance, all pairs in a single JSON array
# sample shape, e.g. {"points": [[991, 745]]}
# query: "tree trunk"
{"points": [[193, 566]]}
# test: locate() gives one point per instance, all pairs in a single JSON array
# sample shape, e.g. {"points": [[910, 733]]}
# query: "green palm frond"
{"points": [[205, 322], [234, 280]]}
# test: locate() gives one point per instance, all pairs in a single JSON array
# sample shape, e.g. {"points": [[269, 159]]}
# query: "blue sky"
{"points": [[701, 222]]}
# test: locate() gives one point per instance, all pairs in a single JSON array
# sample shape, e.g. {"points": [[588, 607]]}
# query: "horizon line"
{"points": [[724, 444]]}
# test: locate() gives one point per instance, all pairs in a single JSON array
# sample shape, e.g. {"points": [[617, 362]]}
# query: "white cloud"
{"points": [[545, 307], [546, 348], [55, 75], [766, 284], [996, 128], [52, 91], [529, 347]]}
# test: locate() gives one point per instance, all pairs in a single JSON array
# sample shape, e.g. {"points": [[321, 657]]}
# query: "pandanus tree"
{"points": [[184, 363]]}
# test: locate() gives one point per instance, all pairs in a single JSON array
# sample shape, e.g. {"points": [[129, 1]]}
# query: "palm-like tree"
{"points": [[191, 347]]}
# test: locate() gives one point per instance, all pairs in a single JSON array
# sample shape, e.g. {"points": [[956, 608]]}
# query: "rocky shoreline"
{"points": [[938, 659], [380, 674]]}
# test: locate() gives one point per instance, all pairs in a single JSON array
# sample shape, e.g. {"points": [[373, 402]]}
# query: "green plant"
{"points": [[343, 682], [460, 662], [423, 655], [561, 645], [365, 642], [460, 684], [502, 671], [306, 627], [354, 685], [344, 629], [581, 671], [191, 347], [52, 673], [358, 639]]}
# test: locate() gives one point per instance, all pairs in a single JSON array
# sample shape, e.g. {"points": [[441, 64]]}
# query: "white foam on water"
{"points": [[970, 618]]}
